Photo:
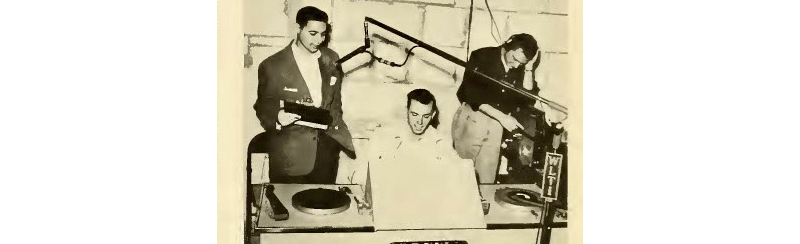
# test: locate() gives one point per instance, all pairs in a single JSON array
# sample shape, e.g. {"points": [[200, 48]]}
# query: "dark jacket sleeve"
{"points": [[471, 86], [266, 105], [518, 74]]}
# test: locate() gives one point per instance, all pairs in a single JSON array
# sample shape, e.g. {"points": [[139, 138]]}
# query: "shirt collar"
{"points": [[428, 135], [302, 52], [503, 61]]}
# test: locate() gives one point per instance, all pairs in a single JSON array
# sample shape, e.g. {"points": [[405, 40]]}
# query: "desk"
{"points": [[350, 227]]}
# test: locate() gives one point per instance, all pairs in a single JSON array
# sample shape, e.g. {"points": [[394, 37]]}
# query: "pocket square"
{"points": [[333, 80], [290, 89]]}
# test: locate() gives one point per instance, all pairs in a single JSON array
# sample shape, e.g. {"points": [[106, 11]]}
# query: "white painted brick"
{"points": [[265, 17], [349, 19], [271, 41], [366, 103], [549, 30], [261, 53], [543, 69], [292, 6], [434, 1], [427, 68], [445, 26], [439, 61], [557, 6], [465, 3], [481, 33], [552, 77], [390, 53], [554, 83], [528, 6], [422, 73], [343, 48]]}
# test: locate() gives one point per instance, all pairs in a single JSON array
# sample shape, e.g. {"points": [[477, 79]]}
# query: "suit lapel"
{"points": [[296, 76], [325, 72]]}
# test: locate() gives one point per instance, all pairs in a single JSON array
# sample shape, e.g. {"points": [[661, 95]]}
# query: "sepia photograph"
{"points": [[406, 121]]}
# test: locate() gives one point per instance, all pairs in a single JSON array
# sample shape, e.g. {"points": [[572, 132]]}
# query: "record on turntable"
{"points": [[315, 207], [320, 201], [518, 199]]}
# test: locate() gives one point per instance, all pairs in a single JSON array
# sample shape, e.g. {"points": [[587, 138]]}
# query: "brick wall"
{"points": [[269, 26]]}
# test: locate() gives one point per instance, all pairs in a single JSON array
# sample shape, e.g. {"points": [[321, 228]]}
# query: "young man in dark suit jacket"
{"points": [[304, 72]]}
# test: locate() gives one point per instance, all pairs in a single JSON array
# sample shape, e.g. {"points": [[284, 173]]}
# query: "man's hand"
{"points": [[285, 118], [509, 122], [552, 116]]}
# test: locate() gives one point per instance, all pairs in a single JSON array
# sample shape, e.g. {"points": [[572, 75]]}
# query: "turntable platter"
{"points": [[518, 199], [321, 201]]}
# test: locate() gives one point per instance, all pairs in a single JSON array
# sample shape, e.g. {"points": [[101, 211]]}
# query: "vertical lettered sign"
{"points": [[552, 174]]}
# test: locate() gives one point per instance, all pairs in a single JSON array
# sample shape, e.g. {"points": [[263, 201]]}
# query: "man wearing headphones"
{"points": [[480, 122]]}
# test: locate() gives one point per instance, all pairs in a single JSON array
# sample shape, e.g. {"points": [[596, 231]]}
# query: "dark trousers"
{"points": [[326, 165]]}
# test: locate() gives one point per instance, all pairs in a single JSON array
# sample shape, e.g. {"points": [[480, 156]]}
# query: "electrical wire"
{"points": [[469, 27], [408, 54], [381, 60], [493, 23]]}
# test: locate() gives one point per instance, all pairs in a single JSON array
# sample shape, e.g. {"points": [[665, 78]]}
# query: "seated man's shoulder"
{"points": [[436, 135], [383, 135], [386, 131]]}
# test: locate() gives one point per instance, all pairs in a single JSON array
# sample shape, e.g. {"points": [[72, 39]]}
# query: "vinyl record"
{"points": [[321, 201], [518, 199]]}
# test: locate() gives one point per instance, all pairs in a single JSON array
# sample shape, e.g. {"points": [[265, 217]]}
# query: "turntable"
{"points": [[518, 199], [314, 208], [515, 206], [320, 201]]}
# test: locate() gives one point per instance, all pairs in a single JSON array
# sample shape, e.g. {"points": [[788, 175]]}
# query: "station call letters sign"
{"points": [[552, 176]]}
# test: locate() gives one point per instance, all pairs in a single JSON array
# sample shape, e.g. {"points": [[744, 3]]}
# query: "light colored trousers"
{"points": [[477, 136]]}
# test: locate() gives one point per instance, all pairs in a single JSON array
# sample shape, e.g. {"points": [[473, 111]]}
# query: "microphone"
{"points": [[351, 55]]}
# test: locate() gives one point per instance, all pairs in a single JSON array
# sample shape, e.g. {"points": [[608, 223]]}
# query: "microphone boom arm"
{"points": [[447, 56]]}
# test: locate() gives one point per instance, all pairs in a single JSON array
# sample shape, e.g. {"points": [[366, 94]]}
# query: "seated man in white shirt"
{"points": [[419, 142], [411, 166], [420, 138]]}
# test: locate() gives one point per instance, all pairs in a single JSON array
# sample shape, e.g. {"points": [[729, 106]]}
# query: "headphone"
{"points": [[518, 38], [514, 37]]}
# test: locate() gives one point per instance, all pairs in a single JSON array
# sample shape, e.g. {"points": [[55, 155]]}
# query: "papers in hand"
{"points": [[310, 116], [312, 125]]}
